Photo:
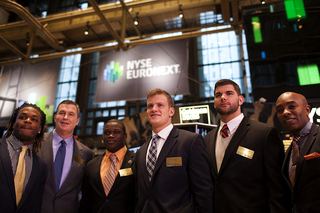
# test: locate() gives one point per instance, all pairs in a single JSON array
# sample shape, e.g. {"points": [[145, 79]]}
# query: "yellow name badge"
{"points": [[125, 172], [247, 153], [78, 159], [174, 161]]}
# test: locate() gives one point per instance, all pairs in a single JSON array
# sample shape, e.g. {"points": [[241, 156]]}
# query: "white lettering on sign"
{"points": [[313, 112], [142, 68]]}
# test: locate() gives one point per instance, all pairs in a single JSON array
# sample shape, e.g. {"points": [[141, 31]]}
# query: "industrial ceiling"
{"points": [[54, 35]]}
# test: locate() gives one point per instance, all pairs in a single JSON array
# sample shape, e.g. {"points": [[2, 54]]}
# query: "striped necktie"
{"points": [[295, 157], [152, 156], [224, 131], [111, 174]]}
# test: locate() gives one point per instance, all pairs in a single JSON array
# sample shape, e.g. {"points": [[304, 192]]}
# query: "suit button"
{"points": [[107, 201]]}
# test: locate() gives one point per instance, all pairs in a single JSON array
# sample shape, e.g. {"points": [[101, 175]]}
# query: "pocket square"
{"points": [[312, 156]]}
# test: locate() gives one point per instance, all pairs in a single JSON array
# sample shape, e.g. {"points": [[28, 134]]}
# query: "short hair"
{"points": [[39, 137], [158, 91], [223, 82], [123, 127], [70, 102]]}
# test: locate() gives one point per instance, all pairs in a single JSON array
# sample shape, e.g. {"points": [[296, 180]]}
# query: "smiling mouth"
{"points": [[288, 120]]}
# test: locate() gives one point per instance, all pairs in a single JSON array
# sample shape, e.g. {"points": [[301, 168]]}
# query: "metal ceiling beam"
{"points": [[115, 35], [14, 49], [103, 48], [32, 22]]}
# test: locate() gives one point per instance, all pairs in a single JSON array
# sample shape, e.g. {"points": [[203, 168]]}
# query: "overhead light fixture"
{"points": [[86, 32], [180, 11], [28, 39], [263, 1], [136, 19]]}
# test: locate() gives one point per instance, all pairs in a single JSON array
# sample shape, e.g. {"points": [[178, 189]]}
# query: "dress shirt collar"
{"points": [[16, 144], [232, 124], [306, 129], [164, 133], [120, 153], [56, 139]]}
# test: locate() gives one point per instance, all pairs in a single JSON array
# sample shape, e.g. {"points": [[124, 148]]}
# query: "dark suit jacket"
{"points": [[121, 197], [185, 188], [306, 192], [31, 197], [67, 199], [249, 185]]}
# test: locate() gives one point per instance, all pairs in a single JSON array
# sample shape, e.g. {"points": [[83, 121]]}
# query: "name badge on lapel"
{"points": [[78, 159], [174, 161], [125, 172], [244, 152]]}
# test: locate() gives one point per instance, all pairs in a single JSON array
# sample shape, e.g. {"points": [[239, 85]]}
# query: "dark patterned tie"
{"points": [[152, 156], [110, 175], [295, 156], [224, 131], [58, 163]]}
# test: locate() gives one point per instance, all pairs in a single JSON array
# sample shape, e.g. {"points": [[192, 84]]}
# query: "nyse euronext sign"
{"points": [[141, 68]]}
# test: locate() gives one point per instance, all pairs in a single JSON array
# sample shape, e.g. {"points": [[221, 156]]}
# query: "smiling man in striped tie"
{"points": [[302, 161]]}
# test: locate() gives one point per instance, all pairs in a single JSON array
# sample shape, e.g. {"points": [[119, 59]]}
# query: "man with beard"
{"points": [[302, 160], [246, 158]]}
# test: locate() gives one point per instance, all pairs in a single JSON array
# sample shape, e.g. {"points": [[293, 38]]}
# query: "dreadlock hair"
{"points": [[39, 137]]}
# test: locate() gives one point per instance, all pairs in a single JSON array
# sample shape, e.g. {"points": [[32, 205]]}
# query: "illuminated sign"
{"points": [[192, 114]]}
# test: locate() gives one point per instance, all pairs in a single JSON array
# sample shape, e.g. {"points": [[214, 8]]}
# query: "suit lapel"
{"points": [[285, 166], [236, 139], [306, 147], [6, 165], [212, 150], [142, 158], [31, 182], [167, 146], [97, 176], [126, 163], [47, 156]]}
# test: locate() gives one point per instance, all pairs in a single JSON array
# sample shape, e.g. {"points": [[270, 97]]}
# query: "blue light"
{"points": [[295, 27], [279, 26], [263, 54]]}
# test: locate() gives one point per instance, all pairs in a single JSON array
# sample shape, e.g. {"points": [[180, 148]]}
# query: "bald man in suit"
{"points": [[293, 112]]}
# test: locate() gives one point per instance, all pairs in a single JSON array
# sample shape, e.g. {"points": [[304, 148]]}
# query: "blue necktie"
{"points": [[58, 163]]}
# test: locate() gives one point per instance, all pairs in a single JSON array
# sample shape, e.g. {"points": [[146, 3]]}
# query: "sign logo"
{"points": [[113, 71]]}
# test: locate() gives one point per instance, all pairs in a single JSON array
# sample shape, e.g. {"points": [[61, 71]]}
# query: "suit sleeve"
{"points": [[200, 176], [274, 155]]}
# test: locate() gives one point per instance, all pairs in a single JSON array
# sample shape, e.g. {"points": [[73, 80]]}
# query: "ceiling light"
{"points": [[180, 11], [263, 1], [136, 20], [28, 39], [86, 32]]}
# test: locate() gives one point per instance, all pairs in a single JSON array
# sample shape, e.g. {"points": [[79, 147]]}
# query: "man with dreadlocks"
{"points": [[22, 172]]}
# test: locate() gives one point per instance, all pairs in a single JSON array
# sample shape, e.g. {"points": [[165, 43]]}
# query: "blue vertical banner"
{"points": [[129, 75]]}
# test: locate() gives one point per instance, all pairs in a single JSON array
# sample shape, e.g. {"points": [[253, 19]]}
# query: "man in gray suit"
{"points": [[66, 159]]}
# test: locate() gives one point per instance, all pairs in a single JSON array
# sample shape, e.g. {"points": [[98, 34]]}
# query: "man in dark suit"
{"points": [[173, 168], [24, 132], [302, 160], [105, 190], [66, 159], [246, 158]]}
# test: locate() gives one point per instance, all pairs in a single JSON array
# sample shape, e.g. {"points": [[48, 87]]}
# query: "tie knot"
{"points": [[63, 142], [224, 131], [155, 138], [297, 138], [24, 148], [113, 157]]}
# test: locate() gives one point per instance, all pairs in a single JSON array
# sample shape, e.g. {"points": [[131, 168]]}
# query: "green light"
{"points": [[308, 74], [295, 9], [256, 29]]}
